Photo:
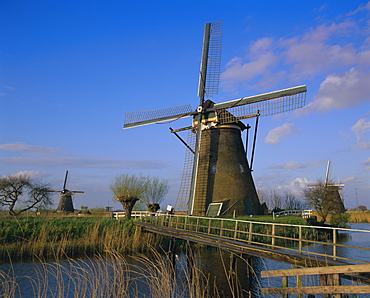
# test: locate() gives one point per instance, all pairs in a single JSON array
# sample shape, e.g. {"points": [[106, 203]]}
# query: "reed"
{"points": [[112, 276], [70, 237], [359, 216]]}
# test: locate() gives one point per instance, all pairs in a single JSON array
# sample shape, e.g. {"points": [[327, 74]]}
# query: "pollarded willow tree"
{"points": [[128, 189], [20, 193], [155, 191]]}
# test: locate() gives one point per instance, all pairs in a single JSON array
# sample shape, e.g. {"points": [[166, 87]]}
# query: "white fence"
{"points": [[138, 214], [303, 213]]}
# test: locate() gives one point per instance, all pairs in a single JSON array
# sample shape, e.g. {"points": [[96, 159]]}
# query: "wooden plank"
{"points": [[317, 290], [347, 269]]}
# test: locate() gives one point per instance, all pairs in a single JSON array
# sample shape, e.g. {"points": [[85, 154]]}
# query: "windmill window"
{"points": [[214, 209], [241, 168], [213, 169]]}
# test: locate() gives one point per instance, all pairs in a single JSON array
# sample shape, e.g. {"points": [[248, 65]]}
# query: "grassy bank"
{"points": [[26, 238], [359, 216]]}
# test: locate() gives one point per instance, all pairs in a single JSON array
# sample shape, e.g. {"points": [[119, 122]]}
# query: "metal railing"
{"points": [[289, 237], [303, 213], [138, 214]]}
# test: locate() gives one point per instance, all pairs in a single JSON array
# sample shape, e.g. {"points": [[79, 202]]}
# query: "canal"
{"points": [[151, 276]]}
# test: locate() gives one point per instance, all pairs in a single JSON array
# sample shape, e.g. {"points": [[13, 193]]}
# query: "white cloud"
{"points": [[366, 163], [40, 156], [311, 53], [361, 128], [80, 162], [275, 135], [294, 165], [296, 186], [342, 90], [31, 174], [31, 149], [239, 71], [324, 50]]}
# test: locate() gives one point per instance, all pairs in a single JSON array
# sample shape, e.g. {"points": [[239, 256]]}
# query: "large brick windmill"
{"points": [[220, 175]]}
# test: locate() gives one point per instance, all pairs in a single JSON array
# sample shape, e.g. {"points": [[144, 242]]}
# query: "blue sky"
{"points": [[70, 69]]}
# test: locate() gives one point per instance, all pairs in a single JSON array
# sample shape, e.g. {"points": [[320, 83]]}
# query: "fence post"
{"points": [[250, 232], [209, 226], [334, 244], [221, 227], [273, 235], [235, 231], [284, 284], [197, 227], [300, 239]]}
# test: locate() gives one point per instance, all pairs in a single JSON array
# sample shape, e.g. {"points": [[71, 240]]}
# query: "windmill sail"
{"points": [[218, 167], [140, 118], [209, 77], [185, 186], [208, 83]]}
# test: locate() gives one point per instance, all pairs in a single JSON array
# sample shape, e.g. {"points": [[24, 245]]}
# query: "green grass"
{"points": [[285, 219], [69, 237]]}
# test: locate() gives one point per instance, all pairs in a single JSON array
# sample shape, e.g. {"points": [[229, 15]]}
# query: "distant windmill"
{"points": [[65, 202], [216, 168], [332, 190]]}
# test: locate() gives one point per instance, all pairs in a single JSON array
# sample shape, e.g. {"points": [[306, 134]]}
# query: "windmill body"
{"points": [[216, 169], [334, 191], [65, 202]]}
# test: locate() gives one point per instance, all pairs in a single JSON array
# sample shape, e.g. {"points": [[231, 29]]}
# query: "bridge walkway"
{"points": [[280, 242]]}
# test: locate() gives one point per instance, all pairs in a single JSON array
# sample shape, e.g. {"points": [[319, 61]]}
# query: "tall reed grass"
{"points": [[70, 237], [113, 276], [359, 216]]}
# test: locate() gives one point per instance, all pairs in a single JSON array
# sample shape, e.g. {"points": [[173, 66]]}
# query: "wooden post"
{"points": [[221, 227], [250, 232], [235, 230], [284, 284], [209, 226], [197, 227], [299, 283], [334, 244], [300, 239], [273, 235]]}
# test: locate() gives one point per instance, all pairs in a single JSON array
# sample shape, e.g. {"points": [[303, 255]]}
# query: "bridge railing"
{"points": [[303, 213], [297, 238], [138, 214]]}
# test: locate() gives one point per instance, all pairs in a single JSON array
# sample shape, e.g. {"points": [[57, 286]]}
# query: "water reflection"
{"points": [[232, 275]]}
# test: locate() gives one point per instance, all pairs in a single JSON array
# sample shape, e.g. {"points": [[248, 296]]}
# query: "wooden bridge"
{"points": [[288, 243]]}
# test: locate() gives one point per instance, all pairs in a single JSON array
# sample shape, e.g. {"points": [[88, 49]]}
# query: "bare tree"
{"points": [[325, 199], [362, 208], [292, 203], [128, 189], [23, 191], [155, 191]]}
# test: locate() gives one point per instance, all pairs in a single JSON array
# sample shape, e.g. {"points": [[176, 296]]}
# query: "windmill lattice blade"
{"points": [[214, 59], [184, 191], [262, 105], [65, 181], [139, 118], [211, 61]]}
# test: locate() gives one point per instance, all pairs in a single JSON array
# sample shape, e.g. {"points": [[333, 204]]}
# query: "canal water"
{"points": [[150, 275]]}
